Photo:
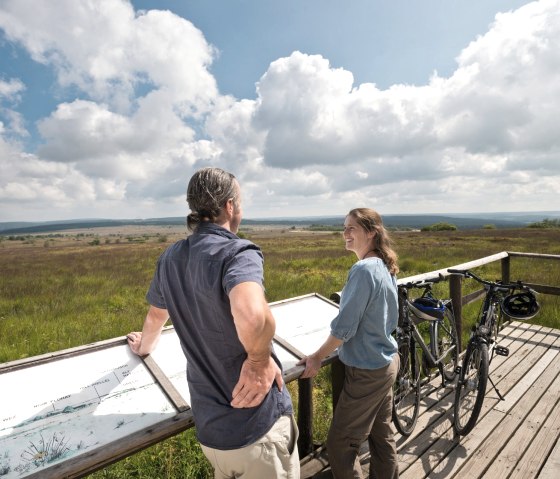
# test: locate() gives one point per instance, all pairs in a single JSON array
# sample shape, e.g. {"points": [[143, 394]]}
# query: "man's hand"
{"points": [[134, 340], [144, 343], [255, 381]]}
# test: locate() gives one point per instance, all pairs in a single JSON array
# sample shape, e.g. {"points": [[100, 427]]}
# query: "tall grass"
{"points": [[55, 298], [70, 293]]}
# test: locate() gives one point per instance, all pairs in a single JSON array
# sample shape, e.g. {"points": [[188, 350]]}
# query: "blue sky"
{"points": [[317, 106]]}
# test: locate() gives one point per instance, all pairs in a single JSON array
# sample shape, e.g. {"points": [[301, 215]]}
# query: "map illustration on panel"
{"points": [[304, 322], [70, 406]]}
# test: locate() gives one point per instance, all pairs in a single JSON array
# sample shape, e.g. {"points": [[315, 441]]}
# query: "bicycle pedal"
{"points": [[501, 351]]}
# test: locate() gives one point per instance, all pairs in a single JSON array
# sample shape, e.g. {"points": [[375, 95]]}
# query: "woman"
{"points": [[362, 333]]}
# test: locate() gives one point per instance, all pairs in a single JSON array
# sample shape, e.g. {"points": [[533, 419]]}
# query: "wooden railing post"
{"points": [[506, 269], [456, 295], [305, 417]]}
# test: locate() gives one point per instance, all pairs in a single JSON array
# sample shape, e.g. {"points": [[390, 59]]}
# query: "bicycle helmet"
{"points": [[427, 308], [521, 305]]}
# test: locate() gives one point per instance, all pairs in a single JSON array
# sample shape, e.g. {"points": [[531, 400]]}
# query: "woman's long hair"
{"points": [[371, 221]]}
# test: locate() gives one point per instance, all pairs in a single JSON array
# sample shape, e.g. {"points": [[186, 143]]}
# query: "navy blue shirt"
{"points": [[192, 281]]}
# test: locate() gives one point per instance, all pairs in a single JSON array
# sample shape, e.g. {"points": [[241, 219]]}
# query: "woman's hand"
{"points": [[312, 365], [313, 361]]}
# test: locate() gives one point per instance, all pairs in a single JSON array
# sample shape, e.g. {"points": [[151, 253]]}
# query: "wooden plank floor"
{"points": [[514, 438]]}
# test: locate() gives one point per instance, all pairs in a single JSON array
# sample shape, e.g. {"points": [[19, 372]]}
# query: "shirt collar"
{"points": [[207, 227]]}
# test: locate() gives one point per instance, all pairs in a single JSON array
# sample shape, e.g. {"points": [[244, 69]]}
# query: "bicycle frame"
{"points": [[489, 317], [430, 352], [411, 320]]}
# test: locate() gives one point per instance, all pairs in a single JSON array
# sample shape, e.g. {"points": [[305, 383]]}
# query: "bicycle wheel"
{"points": [[406, 390], [471, 387], [447, 345]]}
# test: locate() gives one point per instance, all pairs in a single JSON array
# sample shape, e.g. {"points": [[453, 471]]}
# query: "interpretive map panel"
{"points": [[304, 322], [287, 359], [61, 408], [55, 411], [170, 358]]}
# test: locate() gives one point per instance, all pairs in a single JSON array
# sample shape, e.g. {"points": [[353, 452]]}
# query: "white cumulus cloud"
{"points": [[139, 110]]}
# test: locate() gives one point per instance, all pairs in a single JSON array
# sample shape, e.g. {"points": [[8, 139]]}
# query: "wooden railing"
{"points": [[310, 452]]}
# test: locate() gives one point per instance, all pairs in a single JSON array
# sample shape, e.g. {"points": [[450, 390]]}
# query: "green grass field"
{"points": [[63, 292]]}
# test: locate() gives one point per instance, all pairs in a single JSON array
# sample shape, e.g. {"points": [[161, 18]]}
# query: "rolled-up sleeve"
{"points": [[246, 265], [356, 295]]}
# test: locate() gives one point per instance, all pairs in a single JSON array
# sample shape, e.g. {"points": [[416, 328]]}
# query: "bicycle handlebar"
{"points": [[423, 283], [469, 274]]}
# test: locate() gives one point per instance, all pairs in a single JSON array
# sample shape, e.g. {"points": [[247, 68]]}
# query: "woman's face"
{"points": [[356, 238]]}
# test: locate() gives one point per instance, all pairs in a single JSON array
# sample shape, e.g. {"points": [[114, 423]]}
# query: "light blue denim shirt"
{"points": [[368, 315]]}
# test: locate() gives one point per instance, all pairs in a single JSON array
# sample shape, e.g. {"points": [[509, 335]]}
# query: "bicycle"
{"points": [[437, 322], [474, 375]]}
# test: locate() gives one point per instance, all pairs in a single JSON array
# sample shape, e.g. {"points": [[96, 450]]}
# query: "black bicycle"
{"points": [[427, 338], [500, 300]]}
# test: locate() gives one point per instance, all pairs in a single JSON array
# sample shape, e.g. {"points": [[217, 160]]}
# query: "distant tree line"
{"points": [[546, 224]]}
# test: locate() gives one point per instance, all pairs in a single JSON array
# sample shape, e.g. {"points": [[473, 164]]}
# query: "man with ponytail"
{"points": [[211, 287], [362, 333]]}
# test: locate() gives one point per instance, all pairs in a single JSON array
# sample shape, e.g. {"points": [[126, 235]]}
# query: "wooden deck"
{"points": [[515, 438]]}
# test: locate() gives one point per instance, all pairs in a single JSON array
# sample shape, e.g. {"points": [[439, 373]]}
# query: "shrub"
{"points": [[440, 227], [545, 224]]}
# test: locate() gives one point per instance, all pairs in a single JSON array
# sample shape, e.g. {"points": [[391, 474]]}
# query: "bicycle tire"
{"points": [[406, 390], [446, 339], [471, 387]]}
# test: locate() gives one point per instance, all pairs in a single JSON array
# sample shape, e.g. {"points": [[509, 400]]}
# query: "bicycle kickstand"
{"points": [[502, 398], [500, 351]]}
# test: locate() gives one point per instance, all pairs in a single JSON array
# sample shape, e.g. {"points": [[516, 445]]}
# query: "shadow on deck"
{"points": [[514, 438]]}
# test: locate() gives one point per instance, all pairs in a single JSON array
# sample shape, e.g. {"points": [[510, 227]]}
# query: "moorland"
{"points": [[66, 289]]}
